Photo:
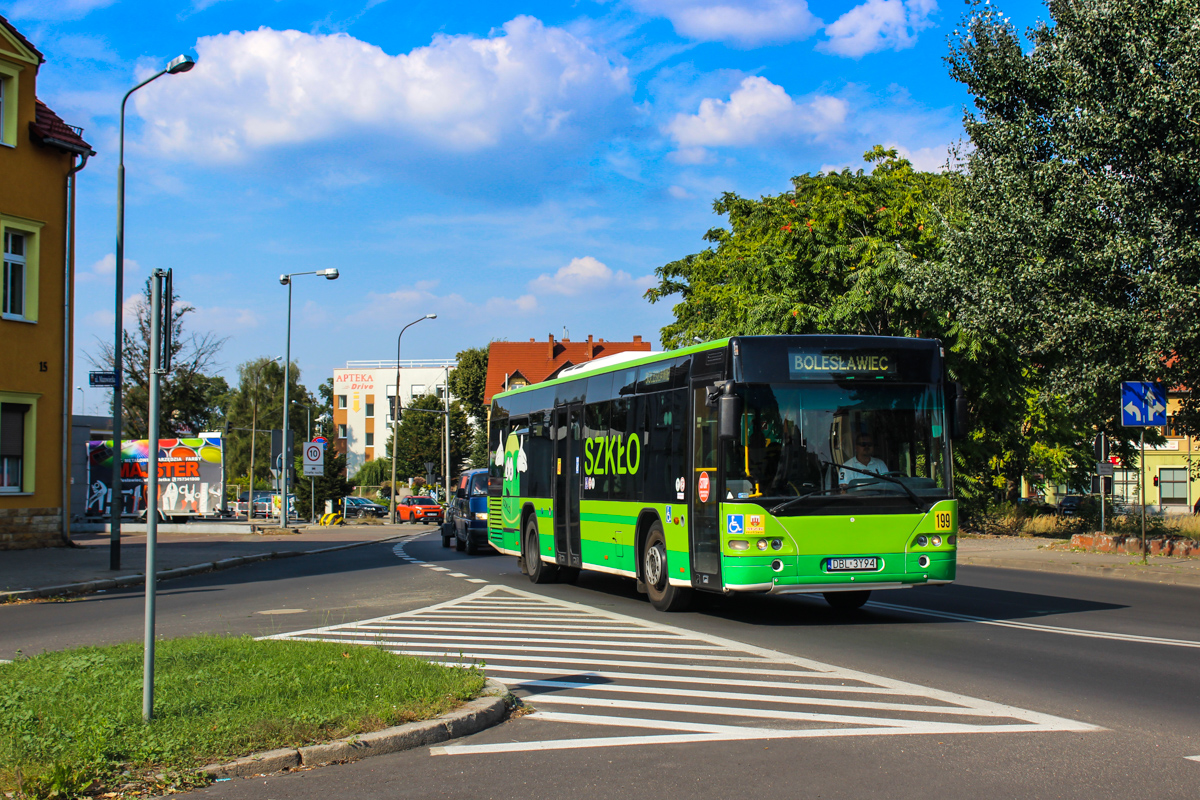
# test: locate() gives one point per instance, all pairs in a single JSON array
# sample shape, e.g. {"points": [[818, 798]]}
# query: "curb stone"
{"points": [[483, 712], [1125, 571], [87, 587]]}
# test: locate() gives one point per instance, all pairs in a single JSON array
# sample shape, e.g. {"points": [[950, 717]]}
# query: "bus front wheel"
{"points": [[537, 570], [846, 601], [663, 595]]}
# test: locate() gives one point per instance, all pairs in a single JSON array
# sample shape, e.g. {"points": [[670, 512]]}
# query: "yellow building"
{"points": [[39, 155]]}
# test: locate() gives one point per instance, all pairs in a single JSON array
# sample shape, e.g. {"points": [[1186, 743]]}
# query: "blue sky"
{"points": [[514, 170]]}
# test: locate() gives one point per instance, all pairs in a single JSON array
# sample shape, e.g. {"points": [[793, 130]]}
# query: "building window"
{"points": [[370, 440], [14, 274], [13, 432], [370, 409], [8, 104], [1172, 428], [1125, 487], [441, 392], [1173, 486], [341, 401], [341, 431], [418, 390]]}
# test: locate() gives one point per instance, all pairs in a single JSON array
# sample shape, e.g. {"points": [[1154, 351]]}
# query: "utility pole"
{"points": [[160, 363]]}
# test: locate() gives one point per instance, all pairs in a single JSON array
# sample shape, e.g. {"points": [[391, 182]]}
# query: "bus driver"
{"points": [[864, 461]]}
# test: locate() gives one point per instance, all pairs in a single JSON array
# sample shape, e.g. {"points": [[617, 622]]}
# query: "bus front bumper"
{"points": [[805, 574]]}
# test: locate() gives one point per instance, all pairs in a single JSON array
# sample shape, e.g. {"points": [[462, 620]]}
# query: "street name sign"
{"points": [[1143, 404], [1104, 469], [108, 379], [314, 459]]}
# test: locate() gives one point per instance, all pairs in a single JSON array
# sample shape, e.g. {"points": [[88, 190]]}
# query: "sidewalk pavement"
{"points": [[1055, 555], [47, 572]]}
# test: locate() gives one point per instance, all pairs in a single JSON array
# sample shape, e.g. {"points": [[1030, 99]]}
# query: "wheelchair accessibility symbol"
{"points": [[733, 524]]}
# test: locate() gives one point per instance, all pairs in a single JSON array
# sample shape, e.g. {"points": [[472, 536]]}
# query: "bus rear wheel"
{"points": [[537, 570], [663, 595], [846, 601]]}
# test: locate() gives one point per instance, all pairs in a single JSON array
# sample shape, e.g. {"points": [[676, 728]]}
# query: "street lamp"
{"points": [[82, 400], [396, 409], [329, 274], [178, 64]]}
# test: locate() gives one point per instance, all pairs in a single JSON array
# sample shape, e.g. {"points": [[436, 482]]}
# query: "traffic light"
{"points": [[1156, 480]]}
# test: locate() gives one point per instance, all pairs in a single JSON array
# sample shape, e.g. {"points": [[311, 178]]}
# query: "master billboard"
{"points": [[190, 477]]}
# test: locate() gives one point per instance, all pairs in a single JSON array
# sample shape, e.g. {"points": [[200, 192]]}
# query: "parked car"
{"points": [[1068, 505], [466, 517], [416, 509], [362, 507]]}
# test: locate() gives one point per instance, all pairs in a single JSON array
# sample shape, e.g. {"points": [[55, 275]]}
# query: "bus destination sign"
{"points": [[819, 363]]}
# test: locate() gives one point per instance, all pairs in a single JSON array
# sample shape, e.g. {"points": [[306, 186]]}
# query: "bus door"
{"points": [[568, 477], [706, 491]]}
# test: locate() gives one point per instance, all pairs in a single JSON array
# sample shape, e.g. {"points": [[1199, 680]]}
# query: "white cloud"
{"points": [[224, 320], [745, 23], [925, 159], [582, 275], [105, 268], [266, 88], [54, 9], [679, 193], [756, 111], [878, 25]]}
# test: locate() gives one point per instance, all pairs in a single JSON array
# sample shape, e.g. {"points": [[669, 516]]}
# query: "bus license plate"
{"points": [[870, 563]]}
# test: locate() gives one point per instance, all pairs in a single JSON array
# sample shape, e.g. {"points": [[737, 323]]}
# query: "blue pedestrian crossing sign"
{"points": [[1143, 404]]}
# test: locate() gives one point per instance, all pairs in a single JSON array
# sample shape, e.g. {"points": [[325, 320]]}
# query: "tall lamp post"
{"points": [[396, 409], [286, 280], [178, 64]]}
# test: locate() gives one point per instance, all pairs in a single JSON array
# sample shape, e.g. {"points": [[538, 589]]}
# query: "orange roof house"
{"points": [[512, 364]]}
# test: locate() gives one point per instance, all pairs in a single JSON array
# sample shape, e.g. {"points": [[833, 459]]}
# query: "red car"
{"points": [[419, 509]]}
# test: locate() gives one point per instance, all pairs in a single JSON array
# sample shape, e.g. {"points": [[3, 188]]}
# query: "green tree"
{"points": [[420, 437], [191, 398], [257, 404], [828, 257], [468, 383], [854, 253], [1080, 243]]}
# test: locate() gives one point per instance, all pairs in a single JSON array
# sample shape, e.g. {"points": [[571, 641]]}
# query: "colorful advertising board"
{"points": [[190, 477]]}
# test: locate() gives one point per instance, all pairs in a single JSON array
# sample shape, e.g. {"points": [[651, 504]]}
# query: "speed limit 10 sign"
{"points": [[314, 459]]}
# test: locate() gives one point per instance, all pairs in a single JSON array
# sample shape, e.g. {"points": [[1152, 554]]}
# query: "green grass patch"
{"points": [[71, 721]]}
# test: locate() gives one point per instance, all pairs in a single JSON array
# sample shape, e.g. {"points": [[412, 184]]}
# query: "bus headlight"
{"points": [[762, 544], [937, 541], [739, 544], [922, 540], [777, 544]]}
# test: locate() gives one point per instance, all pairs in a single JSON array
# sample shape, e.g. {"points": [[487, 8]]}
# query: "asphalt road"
{"points": [[1004, 684]]}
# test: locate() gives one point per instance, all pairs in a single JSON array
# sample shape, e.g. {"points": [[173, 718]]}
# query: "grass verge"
{"points": [[71, 722]]}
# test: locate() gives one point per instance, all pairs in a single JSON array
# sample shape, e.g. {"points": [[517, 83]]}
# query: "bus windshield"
{"points": [[828, 444]]}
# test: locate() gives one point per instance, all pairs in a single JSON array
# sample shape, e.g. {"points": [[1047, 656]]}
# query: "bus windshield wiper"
{"points": [[912, 495], [786, 504]]}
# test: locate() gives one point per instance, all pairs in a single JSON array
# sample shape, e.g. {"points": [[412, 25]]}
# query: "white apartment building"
{"points": [[362, 402]]}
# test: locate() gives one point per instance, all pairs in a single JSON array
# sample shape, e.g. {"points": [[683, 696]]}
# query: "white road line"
{"points": [[505, 674], [1192, 758], [749, 698], [1031, 626], [738, 735], [457, 575], [440, 569], [406, 628], [476, 580], [696, 687], [554, 698]]}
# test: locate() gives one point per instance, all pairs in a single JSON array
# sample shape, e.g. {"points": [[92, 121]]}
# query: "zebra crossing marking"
{"points": [[578, 665]]}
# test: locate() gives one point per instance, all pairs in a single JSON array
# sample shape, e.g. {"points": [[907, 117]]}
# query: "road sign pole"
{"points": [[156, 357], [1142, 470]]}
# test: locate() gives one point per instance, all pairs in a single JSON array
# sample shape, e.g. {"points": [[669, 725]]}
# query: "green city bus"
{"points": [[769, 464]]}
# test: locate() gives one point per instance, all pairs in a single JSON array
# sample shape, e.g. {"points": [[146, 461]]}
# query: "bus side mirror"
{"points": [[729, 413], [961, 423]]}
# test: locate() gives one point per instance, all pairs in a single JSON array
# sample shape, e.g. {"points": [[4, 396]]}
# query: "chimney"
{"points": [[637, 339], [590, 349], [551, 351]]}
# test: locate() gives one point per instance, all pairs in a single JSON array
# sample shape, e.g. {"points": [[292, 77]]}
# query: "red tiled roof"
{"points": [[25, 42], [538, 361], [49, 129]]}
